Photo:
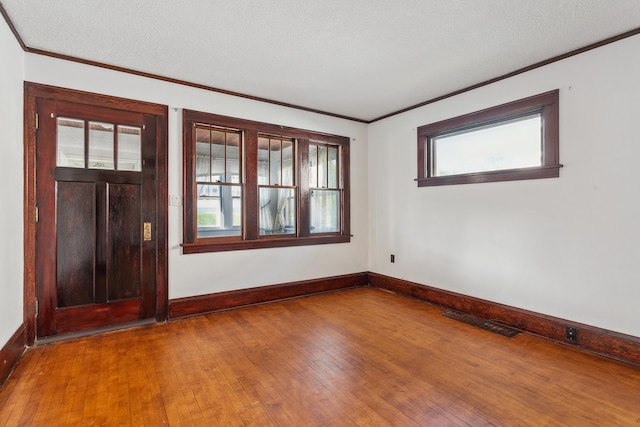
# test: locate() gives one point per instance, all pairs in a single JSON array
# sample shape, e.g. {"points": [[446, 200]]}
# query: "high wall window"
{"points": [[258, 185], [513, 141]]}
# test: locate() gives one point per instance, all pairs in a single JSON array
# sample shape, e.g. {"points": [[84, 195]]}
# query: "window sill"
{"points": [[202, 247], [550, 171]]}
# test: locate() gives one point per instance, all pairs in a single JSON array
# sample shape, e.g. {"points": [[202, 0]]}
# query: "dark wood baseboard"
{"points": [[625, 348], [11, 353], [201, 304]]}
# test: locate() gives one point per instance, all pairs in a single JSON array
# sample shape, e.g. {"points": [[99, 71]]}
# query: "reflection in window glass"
{"points": [[325, 211], [129, 148], [511, 144], [101, 145], [70, 143], [277, 211]]}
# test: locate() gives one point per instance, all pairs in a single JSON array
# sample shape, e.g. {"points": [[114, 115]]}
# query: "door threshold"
{"points": [[90, 332]]}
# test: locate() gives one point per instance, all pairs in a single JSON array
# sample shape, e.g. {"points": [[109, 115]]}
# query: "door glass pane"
{"points": [[332, 156], [70, 144], [263, 161], [287, 163], [277, 211], [219, 210], [233, 157], [505, 145], [101, 145], [325, 211], [129, 148], [313, 166]]}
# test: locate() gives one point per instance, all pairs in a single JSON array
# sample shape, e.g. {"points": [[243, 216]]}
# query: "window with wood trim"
{"points": [[513, 141], [250, 185]]}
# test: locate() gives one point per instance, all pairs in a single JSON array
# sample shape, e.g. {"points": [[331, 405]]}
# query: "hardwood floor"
{"points": [[355, 357]]}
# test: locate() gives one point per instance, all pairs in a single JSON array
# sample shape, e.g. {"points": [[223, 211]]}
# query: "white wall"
{"points": [[567, 247], [11, 190], [198, 274]]}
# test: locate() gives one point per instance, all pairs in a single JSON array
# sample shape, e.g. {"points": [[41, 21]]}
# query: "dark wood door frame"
{"points": [[32, 93]]}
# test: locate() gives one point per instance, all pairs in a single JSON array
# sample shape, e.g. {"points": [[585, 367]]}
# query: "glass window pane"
{"points": [[277, 211], [332, 154], [322, 166], [219, 210], [275, 162], [325, 211], [263, 161], [203, 162], [203, 155], [313, 166], [506, 145], [233, 157], [288, 163], [218, 142], [129, 148], [70, 144], [101, 145]]}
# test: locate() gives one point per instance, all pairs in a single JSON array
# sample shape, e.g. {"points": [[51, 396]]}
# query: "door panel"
{"points": [[93, 268], [124, 242], [76, 243]]}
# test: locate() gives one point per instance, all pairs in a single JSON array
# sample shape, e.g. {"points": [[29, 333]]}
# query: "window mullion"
{"points": [[304, 208], [251, 201]]}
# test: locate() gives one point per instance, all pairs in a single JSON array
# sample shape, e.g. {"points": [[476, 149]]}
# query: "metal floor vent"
{"points": [[481, 323]]}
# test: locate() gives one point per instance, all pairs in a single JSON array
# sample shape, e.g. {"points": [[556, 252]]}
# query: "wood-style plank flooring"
{"points": [[356, 357]]}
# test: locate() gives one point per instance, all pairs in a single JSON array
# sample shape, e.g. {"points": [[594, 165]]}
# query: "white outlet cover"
{"points": [[175, 200]]}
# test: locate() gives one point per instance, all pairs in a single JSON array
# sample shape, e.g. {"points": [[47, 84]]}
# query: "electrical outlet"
{"points": [[571, 334], [393, 258]]}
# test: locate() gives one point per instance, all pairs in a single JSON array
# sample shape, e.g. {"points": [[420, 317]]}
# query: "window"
{"points": [[255, 185], [105, 145], [514, 141]]}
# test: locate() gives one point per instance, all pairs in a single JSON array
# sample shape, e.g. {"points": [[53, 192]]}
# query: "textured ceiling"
{"points": [[356, 58]]}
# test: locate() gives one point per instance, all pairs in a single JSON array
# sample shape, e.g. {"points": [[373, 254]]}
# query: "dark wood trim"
{"points": [[515, 73], [622, 347], [545, 105], [201, 304], [186, 83], [549, 171], [251, 239], [32, 93], [12, 27], [11, 353], [30, 110]]}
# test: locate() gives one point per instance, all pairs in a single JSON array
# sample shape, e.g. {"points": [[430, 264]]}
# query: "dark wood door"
{"points": [[96, 205]]}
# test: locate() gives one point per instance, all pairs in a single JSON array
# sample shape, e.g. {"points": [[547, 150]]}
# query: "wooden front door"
{"points": [[96, 207]]}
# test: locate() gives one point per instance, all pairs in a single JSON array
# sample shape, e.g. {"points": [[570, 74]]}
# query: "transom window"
{"points": [[258, 185], [90, 144], [513, 141]]}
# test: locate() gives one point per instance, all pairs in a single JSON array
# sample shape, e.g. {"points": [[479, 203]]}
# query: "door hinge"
{"points": [[37, 216], [37, 307], [37, 121]]}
